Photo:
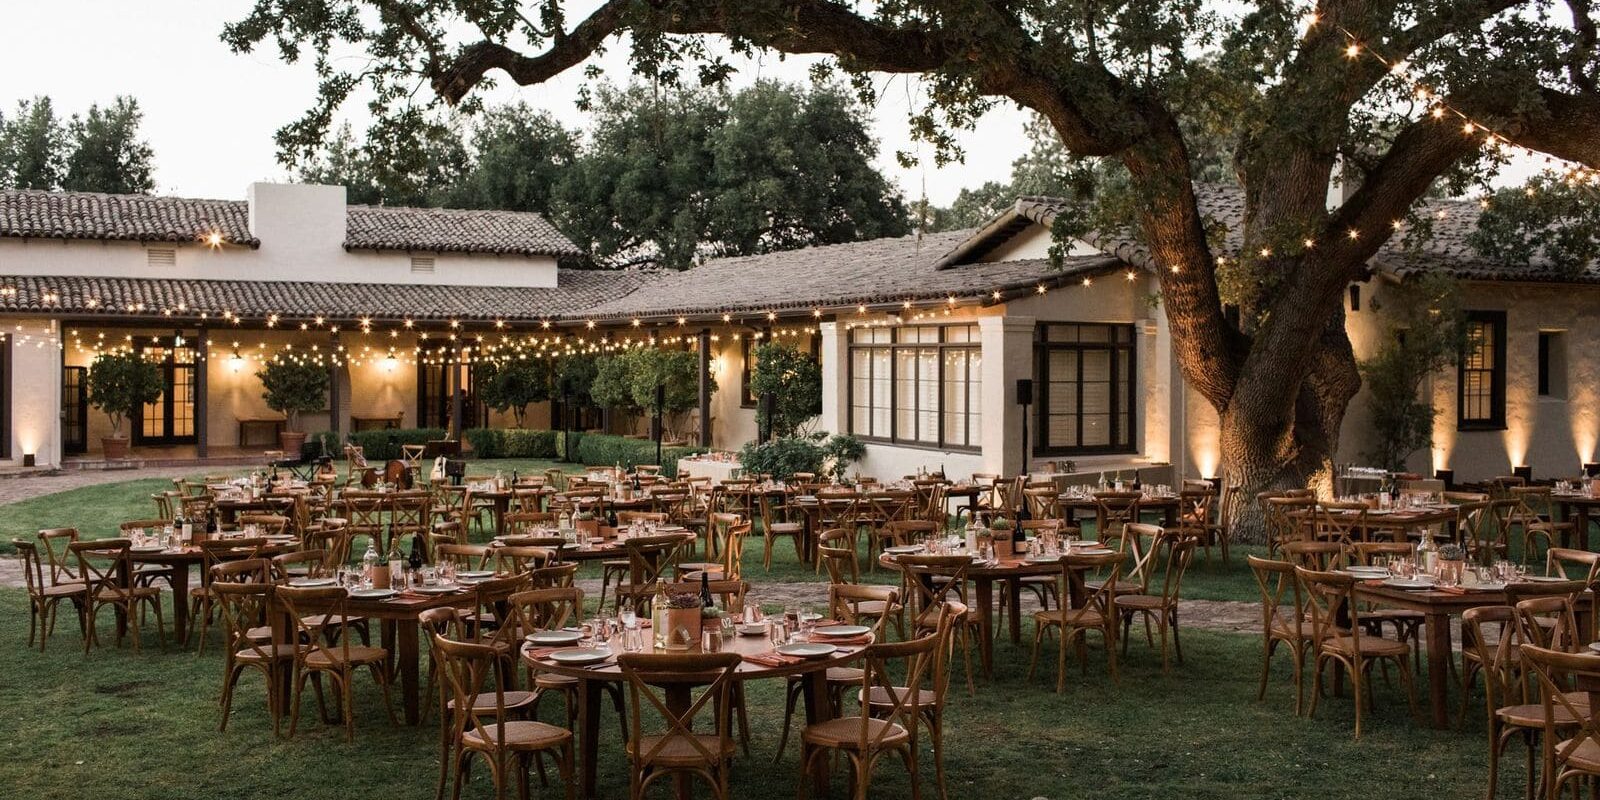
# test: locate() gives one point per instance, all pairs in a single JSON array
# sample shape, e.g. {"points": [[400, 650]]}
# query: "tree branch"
{"points": [[1567, 126], [467, 69]]}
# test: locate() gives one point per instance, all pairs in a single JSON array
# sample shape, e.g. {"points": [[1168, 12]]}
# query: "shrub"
{"points": [[794, 380], [565, 440], [512, 443], [512, 384], [783, 457], [843, 450], [603, 449], [383, 445]]}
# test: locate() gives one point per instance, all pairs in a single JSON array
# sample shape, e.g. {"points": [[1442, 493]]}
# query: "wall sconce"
{"points": [[235, 361], [30, 460], [1524, 472], [388, 364], [1448, 476]]}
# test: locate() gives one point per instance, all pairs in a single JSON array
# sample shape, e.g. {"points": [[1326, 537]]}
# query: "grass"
{"points": [[116, 724]]}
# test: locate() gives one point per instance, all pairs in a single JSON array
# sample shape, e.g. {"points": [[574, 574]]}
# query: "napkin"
{"points": [[1374, 582], [1450, 589], [544, 652], [772, 659], [865, 638]]}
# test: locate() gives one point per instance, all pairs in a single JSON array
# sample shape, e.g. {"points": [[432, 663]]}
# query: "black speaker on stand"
{"points": [[1025, 399]]}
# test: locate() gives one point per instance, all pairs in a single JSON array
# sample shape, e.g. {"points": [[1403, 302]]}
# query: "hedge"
{"points": [[602, 449], [512, 443], [383, 445]]}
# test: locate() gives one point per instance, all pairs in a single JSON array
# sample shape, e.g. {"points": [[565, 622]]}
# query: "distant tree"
{"points": [[410, 159], [512, 384], [520, 157], [32, 146], [1548, 217], [107, 154], [794, 379]]}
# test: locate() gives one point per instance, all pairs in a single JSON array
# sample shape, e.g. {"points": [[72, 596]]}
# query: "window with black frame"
{"points": [[747, 361], [917, 384], [1481, 376], [1086, 399]]}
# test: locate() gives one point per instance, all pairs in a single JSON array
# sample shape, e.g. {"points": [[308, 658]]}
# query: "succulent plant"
{"points": [[1000, 524], [711, 612], [683, 601], [1452, 552]]}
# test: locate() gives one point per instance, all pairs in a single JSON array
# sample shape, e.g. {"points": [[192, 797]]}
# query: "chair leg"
{"points": [[792, 696]]}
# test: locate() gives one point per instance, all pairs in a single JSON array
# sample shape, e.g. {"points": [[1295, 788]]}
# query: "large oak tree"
{"points": [[1304, 87]]}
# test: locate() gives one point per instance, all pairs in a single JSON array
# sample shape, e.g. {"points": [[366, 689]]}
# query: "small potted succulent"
{"points": [[1452, 563], [683, 619], [1001, 529]]}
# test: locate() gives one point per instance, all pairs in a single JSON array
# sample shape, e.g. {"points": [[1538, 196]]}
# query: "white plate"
{"points": [[902, 549], [442, 588], [1595, 646], [807, 649], [549, 638], [476, 573], [752, 629], [1094, 551], [1544, 579], [1489, 586], [149, 548], [579, 656], [310, 582], [842, 630], [1367, 572], [1043, 559], [1409, 583], [373, 594]]}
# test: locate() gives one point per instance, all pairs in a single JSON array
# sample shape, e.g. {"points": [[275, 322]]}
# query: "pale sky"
{"points": [[210, 114]]}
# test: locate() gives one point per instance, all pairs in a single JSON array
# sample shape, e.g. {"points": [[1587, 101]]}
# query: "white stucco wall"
{"points": [[35, 403]]}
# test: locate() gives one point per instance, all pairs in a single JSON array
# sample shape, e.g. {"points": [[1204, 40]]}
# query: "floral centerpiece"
{"points": [[1452, 563], [1001, 530]]}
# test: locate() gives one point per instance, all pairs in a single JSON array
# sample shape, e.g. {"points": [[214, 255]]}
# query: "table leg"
{"points": [[502, 506], [180, 602], [985, 597], [1438, 626], [678, 702], [1014, 608], [588, 736], [818, 709], [410, 663]]}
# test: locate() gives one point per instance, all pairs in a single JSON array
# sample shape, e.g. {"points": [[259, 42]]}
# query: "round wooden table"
{"points": [[592, 679], [1577, 509], [181, 560]]}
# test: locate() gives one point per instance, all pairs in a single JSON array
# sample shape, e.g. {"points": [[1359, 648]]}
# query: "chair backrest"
{"points": [[733, 551], [1474, 520], [649, 557], [334, 540], [1493, 634], [104, 563], [1533, 502], [547, 609], [216, 551], [1276, 581], [916, 530], [315, 562], [1341, 522], [471, 670], [1549, 622], [645, 672], [553, 576], [1554, 673], [320, 620], [1365, 553], [242, 606], [1194, 505], [1284, 519], [1044, 502], [1172, 554], [1327, 594], [1074, 567], [934, 579], [56, 542], [268, 524], [833, 548], [1316, 556], [901, 700], [518, 560], [626, 518], [411, 511], [889, 505], [729, 594], [1563, 562], [32, 567], [491, 597], [1144, 540], [845, 601], [464, 556], [1112, 510]]}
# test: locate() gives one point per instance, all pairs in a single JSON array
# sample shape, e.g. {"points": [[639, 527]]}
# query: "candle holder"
{"points": [[1591, 469], [1524, 472], [1448, 476]]}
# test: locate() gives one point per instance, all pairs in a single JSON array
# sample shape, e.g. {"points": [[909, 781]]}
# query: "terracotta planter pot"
{"points": [[683, 628], [291, 442], [587, 527], [114, 447], [1002, 543]]}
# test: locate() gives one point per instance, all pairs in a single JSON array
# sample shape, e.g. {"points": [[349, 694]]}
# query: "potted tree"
{"points": [[293, 386], [120, 384]]}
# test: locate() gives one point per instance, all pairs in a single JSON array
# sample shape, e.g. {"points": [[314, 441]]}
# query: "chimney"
{"points": [[297, 219]]}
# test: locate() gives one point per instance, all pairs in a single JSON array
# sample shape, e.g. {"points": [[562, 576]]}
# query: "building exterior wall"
{"points": [[34, 349]]}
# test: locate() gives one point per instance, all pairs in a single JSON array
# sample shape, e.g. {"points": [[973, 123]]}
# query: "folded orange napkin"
{"points": [[823, 623], [1450, 589], [543, 652], [865, 638], [772, 659], [1374, 582]]}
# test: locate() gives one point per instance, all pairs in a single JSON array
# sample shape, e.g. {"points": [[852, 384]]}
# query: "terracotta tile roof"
{"points": [[146, 218], [871, 272], [125, 217], [578, 290], [449, 230]]}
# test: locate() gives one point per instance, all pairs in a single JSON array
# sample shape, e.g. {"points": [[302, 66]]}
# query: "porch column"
{"points": [[456, 399], [705, 387], [202, 380], [1007, 356], [335, 419], [835, 379]]}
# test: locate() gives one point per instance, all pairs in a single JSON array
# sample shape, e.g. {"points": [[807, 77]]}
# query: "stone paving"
{"points": [[15, 488]]}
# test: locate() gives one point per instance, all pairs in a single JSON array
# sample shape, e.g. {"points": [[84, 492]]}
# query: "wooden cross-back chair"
{"points": [[411, 514], [835, 553], [1113, 511], [322, 626], [1569, 747], [45, 597], [1288, 519], [365, 512], [776, 523], [929, 582], [1338, 638], [56, 543], [649, 559], [1341, 522], [1044, 502], [680, 749], [105, 568], [1283, 621], [215, 554], [487, 720], [1169, 557], [519, 559], [1096, 613], [242, 606], [883, 727]]}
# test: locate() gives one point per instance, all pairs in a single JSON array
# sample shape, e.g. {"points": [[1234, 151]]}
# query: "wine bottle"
{"points": [[705, 591], [396, 561], [416, 560]]}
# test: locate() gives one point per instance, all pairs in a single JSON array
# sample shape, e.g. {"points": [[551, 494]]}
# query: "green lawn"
{"points": [[116, 724]]}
